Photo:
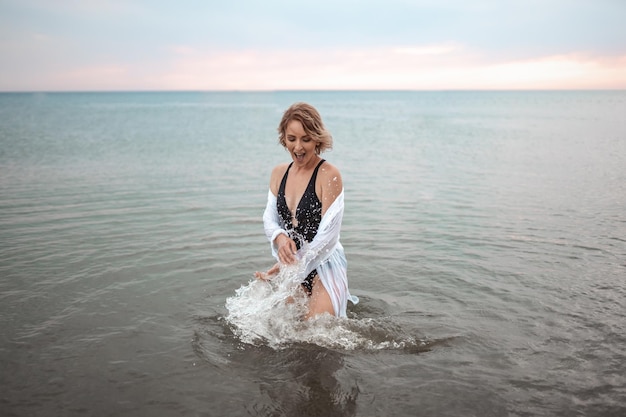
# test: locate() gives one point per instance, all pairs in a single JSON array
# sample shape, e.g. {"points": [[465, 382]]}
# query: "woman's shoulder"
{"points": [[329, 171], [330, 182], [278, 172]]}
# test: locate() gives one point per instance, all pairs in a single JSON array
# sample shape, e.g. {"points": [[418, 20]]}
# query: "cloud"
{"points": [[446, 66], [572, 71], [425, 50], [420, 67], [370, 44]]}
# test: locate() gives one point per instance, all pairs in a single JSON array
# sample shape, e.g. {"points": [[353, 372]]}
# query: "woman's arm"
{"points": [[329, 185], [327, 237], [283, 247], [266, 276], [330, 190]]}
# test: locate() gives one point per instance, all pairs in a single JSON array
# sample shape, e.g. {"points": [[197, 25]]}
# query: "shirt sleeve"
{"points": [[327, 238], [272, 223]]}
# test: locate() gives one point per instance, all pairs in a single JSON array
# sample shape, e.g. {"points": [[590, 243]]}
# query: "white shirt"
{"points": [[324, 253]]}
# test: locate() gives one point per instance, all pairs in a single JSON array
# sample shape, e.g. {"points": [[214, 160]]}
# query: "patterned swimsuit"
{"points": [[308, 216]]}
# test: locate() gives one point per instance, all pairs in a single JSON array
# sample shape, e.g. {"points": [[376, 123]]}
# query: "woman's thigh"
{"points": [[320, 301]]}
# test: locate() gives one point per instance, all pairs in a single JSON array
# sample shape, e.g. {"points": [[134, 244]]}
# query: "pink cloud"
{"points": [[412, 67], [421, 67]]}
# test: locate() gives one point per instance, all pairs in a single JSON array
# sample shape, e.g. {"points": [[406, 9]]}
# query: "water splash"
{"points": [[266, 311], [271, 313]]}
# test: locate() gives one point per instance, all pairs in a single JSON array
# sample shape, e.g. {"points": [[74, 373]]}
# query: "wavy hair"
{"points": [[312, 124]]}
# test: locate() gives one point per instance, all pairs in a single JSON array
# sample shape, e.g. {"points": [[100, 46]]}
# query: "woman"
{"points": [[304, 210]]}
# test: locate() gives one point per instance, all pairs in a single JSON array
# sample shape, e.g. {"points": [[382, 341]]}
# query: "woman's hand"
{"points": [[286, 249], [266, 276]]}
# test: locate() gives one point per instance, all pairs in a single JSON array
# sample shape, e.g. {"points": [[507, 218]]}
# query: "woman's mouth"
{"points": [[299, 156]]}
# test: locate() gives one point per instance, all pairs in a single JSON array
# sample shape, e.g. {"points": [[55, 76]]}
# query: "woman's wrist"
{"points": [[280, 240], [275, 236]]}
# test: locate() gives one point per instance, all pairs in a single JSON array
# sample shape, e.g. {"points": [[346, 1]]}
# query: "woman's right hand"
{"points": [[266, 276], [286, 249]]}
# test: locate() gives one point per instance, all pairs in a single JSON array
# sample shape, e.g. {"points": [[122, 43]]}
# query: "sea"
{"points": [[485, 233]]}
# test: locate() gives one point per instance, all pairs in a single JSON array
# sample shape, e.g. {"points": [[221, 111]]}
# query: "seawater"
{"points": [[485, 234]]}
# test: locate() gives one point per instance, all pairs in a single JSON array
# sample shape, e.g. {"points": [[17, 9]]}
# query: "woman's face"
{"points": [[300, 146]]}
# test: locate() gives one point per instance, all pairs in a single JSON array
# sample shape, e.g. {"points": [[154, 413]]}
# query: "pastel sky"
{"points": [[94, 45]]}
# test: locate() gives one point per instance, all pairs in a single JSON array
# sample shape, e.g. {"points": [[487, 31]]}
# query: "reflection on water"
{"points": [[299, 380], [305, 380]]}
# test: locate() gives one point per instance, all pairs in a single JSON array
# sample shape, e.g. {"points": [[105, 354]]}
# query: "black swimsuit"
{"points": [[308, 215]]}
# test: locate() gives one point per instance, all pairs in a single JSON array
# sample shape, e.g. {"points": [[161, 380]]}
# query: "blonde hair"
{"points": [[311, 122]]}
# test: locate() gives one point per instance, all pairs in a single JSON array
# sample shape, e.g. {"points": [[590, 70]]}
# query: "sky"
{"points": [[268, 45]]}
